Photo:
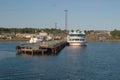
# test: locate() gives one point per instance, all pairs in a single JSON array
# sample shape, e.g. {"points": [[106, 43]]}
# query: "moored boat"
{"points": [[76, 38], [35, 39]]}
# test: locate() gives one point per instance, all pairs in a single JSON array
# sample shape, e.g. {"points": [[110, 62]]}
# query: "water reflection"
{"points": [[77, 46], [76, 49]]}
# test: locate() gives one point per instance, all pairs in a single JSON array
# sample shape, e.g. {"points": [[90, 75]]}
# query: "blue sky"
{"points": [[82, 14]]}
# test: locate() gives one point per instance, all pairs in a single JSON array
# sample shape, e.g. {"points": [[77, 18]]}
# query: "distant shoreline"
{"points": [[104, 41], [6, 40], [112, 41]]}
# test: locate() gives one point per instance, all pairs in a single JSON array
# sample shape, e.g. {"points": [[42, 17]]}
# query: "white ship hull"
{"points": [[77, 43]]}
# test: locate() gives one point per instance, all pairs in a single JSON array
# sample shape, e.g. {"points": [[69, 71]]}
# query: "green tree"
{"points": [[115, 33]]}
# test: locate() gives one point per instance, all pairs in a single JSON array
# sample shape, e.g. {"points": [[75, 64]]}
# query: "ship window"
{"points": [[76, 34], [69, 39], [77, 39], [81, 39]]}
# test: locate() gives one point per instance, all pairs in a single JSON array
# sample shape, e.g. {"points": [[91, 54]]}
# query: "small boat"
{"points": [[35, 39], [76, 38]]}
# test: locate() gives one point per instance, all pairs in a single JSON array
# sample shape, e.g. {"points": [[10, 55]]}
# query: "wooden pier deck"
{"points": [[41, 48]]}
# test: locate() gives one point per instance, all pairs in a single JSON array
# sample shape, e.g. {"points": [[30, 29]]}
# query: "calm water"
{"points": [[97, 61]]}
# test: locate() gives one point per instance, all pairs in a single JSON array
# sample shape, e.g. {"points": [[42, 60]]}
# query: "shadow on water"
{"points": [[38, 55]]}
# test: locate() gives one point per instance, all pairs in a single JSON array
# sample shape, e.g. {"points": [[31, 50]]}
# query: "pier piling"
{"points": [[42, 48]]}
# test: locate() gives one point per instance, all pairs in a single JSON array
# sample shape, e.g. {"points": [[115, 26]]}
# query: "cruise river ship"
{"points": [[76, 38]]}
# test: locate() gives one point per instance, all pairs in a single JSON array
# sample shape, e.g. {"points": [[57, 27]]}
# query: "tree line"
{"points": [[17, 30], [32, 31], [115, 33], [29, 30]]}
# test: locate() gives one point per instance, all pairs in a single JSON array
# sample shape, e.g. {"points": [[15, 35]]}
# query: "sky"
{"points": [[82, 14]]}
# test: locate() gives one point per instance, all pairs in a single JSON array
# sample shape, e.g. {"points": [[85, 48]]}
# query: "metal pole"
{"points": [[66, 17]]}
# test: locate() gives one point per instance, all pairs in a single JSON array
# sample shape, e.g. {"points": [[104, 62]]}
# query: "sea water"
{"points": [[97, 61]]}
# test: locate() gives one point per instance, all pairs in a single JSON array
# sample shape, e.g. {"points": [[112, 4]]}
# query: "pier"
{"points": [[41, 48]]}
